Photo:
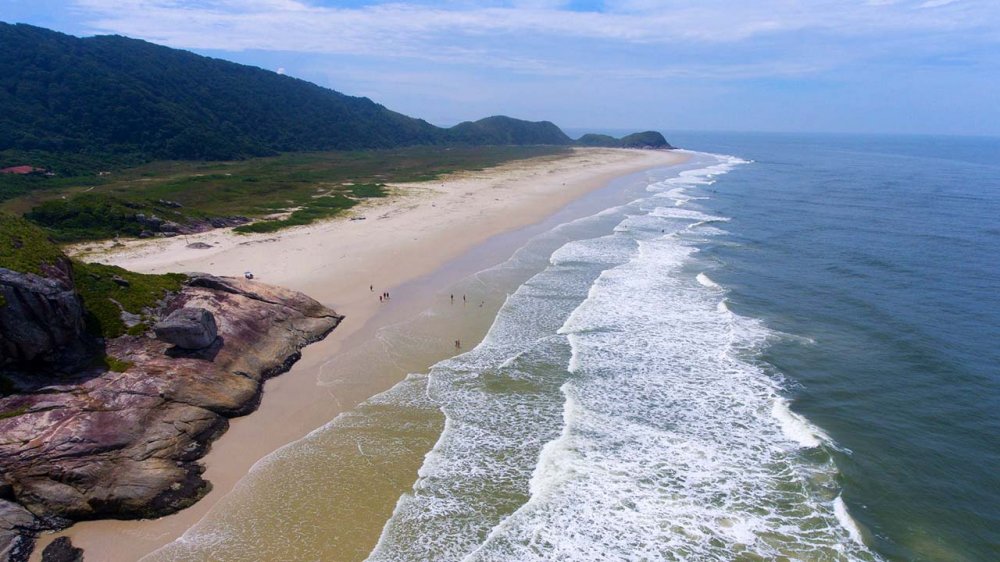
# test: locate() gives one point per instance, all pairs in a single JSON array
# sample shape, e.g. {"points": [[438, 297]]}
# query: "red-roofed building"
{"points": [[21, 170]]}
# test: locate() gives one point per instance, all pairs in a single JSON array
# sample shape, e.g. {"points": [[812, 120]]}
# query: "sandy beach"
{"points": [[346, 264]]}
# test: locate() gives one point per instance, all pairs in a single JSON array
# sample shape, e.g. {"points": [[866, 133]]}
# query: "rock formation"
{"points": [[188, 328], [62, 550], [41, 317], [17, 530], [124, 443]]}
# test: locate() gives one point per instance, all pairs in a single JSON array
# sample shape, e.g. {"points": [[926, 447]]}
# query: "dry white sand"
{"points": [[404, 237]]}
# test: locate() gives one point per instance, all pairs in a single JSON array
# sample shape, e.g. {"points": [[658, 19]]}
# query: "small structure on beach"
{"points": [[22, 170]]}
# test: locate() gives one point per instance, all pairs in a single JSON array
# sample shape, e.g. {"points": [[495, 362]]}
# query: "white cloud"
{"points": [[464, 33]]}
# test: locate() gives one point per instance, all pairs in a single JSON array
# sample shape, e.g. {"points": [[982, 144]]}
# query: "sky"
{"points": [[868, 66]]}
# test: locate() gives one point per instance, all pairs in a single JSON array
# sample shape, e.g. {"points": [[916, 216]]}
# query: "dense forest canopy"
{"points": [[109, 99]]}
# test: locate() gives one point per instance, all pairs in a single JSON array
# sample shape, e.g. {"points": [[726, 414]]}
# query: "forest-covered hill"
{"points": [[80, 102]]}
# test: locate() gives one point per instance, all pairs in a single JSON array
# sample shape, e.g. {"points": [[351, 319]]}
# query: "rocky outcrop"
{"points": [[18, 528], [188, 328], [100, 443], [41, 318], [153, 225]]}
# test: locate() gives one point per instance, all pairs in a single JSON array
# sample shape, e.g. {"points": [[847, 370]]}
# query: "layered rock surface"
{"points": [[106, 444]]}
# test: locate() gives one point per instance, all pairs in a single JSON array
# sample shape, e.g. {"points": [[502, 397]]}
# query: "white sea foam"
{"points": [[846, 521], [706, 281], [614, 413], [794, 426]]}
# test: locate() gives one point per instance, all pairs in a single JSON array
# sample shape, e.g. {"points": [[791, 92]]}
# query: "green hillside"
{"points": [[646, 139], [122, 96], [500, 130], [74, 105], [112, 131]]}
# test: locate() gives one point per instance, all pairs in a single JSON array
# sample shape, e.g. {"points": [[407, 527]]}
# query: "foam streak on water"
{"points": [[616, 412]]}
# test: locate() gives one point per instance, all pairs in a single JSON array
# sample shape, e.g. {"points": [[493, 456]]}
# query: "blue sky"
{"points": [[898, 66]]}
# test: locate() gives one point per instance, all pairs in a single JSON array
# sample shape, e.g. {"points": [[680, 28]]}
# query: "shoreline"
{"points": [[408, 240]]}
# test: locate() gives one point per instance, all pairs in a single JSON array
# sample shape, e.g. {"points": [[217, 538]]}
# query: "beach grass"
{"points": [[307, 185], [107, 290]]}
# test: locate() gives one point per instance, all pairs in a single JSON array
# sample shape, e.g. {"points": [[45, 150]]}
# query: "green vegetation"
{"points": [[113, 364], [318, 184], [320, 208], [13, 413], [501, 130], [91, 216], [122, 125], [78, 106], [107, 290], [111, 98], [24, 247], [592, 139], [368, 190], [646, 139]]}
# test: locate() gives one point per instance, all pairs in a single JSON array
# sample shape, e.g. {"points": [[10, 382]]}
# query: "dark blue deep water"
{"points": [[884, 251]]}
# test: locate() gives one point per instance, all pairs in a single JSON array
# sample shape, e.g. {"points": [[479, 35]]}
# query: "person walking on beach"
{"points": [[453, 299], [371, 288], [458, 344]]}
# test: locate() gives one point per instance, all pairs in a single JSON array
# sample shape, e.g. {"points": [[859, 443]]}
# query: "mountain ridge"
{"points": [[109, 96]]}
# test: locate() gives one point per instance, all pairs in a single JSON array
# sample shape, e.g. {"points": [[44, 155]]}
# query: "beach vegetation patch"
{"points": [[369, 190], [107, 291], [114, 364], [187, 191], [24, 247], [317, 209]]}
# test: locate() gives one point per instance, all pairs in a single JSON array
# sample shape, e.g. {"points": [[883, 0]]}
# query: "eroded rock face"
{"points": [[41, 318], [125, 444], [188, 328]]}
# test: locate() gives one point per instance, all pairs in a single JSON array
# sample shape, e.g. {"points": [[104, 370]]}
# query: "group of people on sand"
{"points": [[384, 297]]}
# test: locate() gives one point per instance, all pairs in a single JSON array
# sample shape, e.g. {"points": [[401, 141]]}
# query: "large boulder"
{"points": [[188, 328], [41, 318]]}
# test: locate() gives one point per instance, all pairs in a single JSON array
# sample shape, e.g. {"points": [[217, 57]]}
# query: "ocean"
{"points": [[785, 348]]}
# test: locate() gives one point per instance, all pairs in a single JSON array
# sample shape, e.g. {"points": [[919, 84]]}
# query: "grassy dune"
{"points": [[307, 185]]}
